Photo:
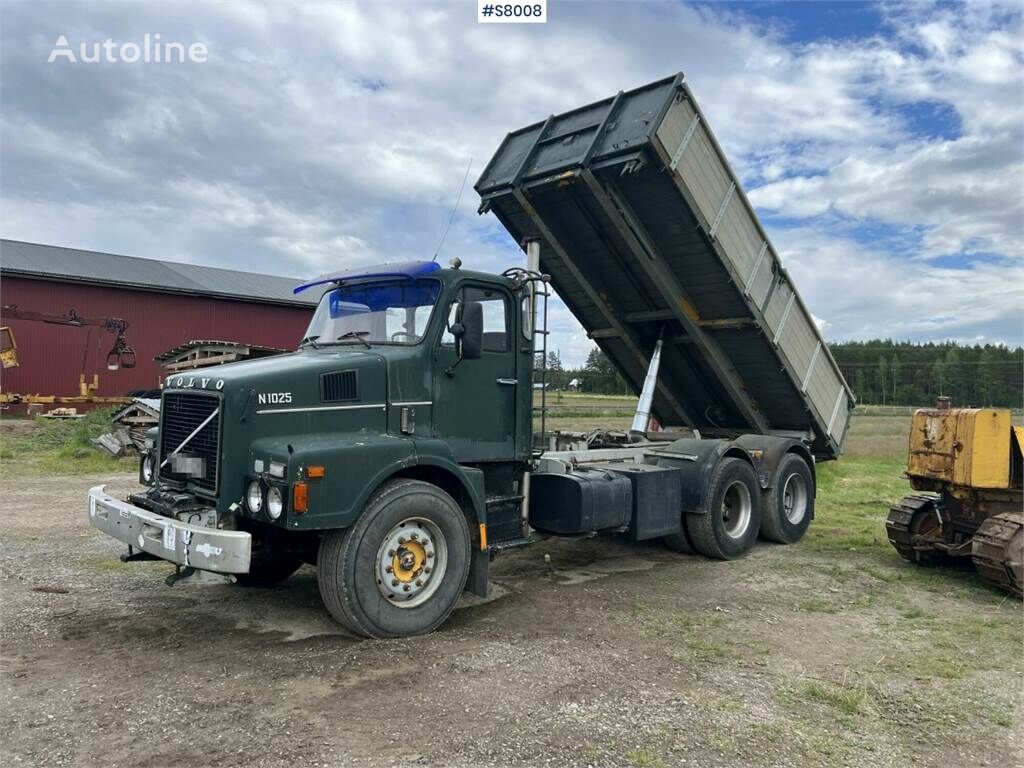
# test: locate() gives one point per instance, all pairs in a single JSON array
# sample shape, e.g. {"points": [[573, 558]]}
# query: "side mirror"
{"points": [[469, 330]]}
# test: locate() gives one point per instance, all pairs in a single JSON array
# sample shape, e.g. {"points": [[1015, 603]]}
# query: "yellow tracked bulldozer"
{"points": [[969, 465]]}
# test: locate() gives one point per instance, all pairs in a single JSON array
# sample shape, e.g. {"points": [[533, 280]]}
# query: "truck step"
{"points": [[525, 541]]}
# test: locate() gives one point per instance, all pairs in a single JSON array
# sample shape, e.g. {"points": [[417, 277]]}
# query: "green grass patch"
{"points": [[842, 698], [645, 758], [819, 605], [61, 447], [854, 496], [847, 703], [689, 637]]}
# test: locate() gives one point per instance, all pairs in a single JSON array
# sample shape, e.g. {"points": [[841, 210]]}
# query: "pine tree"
{"points": [[894, 374], [955, 379], [860, 388], [883, 379], [986, 379]]}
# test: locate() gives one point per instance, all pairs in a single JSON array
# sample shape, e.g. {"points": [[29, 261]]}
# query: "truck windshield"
{"points": [[381, 312]]}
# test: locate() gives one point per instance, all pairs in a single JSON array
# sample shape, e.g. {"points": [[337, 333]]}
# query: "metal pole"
{"points": [[533, 266], [642, 419]]}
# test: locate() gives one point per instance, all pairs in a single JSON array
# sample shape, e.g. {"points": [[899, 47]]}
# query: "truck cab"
{"points": [[406, 382]]}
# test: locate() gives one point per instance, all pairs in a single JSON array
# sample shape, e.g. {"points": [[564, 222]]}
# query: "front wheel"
{"points": [[401, 568]]}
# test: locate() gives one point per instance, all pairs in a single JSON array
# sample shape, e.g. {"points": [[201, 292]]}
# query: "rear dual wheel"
{"points": [[790, 504], [729, 527]]}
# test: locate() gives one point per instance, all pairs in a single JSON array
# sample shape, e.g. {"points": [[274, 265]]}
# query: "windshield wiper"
{"points": [[311, 340], [357, 335]]}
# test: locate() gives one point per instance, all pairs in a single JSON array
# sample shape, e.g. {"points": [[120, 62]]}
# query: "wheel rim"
{"points": [[736, 509], [411, 562], [794, 498]]}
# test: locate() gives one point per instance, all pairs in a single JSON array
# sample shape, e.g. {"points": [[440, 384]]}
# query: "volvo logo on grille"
{"points": [[193, 381]]}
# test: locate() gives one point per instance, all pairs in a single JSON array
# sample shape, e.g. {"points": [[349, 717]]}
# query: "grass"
{"points": [[846, 700], [645, 758], [924, 650], [690, 636], [60, 447]]}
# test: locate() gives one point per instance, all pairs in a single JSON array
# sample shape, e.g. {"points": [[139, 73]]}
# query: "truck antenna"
{"points": [[451, 216]]}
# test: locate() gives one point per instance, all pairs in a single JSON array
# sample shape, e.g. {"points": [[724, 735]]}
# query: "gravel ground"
{"points": [[610, 654]]}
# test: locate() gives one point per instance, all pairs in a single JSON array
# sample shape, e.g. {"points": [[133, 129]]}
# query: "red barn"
{"points": [[165, 304]]}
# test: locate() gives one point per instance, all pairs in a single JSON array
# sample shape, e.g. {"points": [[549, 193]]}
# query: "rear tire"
{"points": [[790, 504], [729, 527], [401, 568]]}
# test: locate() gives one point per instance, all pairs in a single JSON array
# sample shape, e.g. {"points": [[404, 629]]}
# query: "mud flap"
{"points": [[479, 567]]}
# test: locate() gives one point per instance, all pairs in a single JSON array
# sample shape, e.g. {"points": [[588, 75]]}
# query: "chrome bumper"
{"points": [[209, 549]]}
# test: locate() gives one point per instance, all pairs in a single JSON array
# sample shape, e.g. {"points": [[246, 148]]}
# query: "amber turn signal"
{"points": [[300, 497], [316, 470]]}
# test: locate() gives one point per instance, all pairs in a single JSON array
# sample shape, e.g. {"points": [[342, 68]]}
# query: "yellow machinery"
{"points": [[8, 348], [970, 463]]}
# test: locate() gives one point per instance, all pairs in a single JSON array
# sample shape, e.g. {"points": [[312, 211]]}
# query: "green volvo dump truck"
{"points": [[395, 450]]}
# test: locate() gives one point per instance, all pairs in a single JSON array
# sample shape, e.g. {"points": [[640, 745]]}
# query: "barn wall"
{"points": [[51, 356]]}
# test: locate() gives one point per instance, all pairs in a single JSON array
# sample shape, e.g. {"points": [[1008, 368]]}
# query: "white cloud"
{"points": [[323, 136], [863, 293], [963, 193]]}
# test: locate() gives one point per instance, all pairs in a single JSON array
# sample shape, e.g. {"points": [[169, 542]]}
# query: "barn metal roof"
{"points": [[51, 262]]}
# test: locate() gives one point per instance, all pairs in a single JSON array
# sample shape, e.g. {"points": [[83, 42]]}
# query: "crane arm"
{"points": [[71, 317], [121, 355]]}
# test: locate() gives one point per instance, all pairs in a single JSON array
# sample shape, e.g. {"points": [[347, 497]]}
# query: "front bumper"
{"points": [[209, 549]]}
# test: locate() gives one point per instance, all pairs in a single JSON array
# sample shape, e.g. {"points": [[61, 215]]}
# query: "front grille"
{"points": [[180, 414], [340, 385]]}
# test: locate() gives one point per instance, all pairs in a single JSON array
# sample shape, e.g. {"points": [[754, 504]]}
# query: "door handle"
{"points": [[508, 382]]}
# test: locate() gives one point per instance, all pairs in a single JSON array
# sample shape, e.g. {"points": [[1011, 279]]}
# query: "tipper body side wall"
{"points": [[647, 233]]}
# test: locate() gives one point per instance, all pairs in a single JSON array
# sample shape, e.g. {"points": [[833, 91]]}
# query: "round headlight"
{"points": [[275, 502], [147, 468], [254, 496]]}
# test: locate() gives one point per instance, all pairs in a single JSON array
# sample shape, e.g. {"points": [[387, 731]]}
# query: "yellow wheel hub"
{"points": [[408, 561]]}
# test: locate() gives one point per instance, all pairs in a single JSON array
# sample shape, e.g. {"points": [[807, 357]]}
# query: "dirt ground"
{"points": [[830, 652]]}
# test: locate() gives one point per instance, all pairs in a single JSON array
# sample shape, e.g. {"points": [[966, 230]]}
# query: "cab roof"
{"points": [[407, 269], [411, 270]]}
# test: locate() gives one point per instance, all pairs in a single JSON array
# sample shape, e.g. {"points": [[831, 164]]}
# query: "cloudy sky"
{"points": [[882, 144]]}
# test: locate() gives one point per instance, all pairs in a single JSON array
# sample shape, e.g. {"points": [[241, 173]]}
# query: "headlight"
{"points": [[147, 468], [276, 469], [275, 502], [254, 496]]}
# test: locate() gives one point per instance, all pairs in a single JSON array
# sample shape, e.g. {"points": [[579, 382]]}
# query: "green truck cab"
{"points": [[394, 449], [404, 393]]}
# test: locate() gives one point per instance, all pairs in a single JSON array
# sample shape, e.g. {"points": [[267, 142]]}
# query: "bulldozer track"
{"points": [[898, 526], [998, 551]]}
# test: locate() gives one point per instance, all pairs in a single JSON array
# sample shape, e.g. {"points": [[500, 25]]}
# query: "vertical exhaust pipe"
{"points": [[642, 419], [533, 265]]}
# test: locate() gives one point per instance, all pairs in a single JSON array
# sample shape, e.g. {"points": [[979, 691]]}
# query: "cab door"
{"points": [[475, 400]]}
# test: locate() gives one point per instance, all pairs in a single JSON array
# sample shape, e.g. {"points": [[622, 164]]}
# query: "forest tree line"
{"points": [[880, 372]]}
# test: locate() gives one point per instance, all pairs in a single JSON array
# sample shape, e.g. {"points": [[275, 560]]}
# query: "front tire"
{"points": [[729, 527], [790, 504], [401, 568]]}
